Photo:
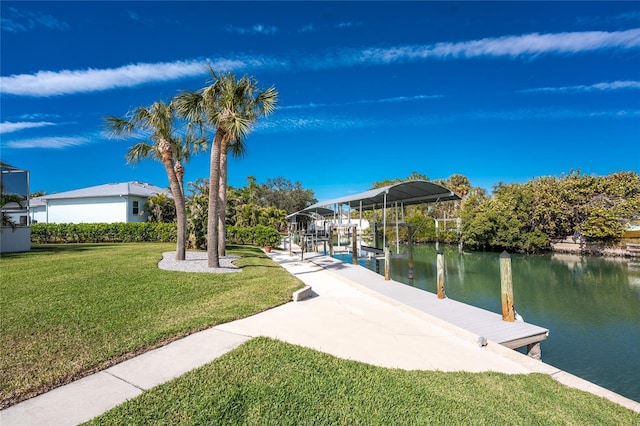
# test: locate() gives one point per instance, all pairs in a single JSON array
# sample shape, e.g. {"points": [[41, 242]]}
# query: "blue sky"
{"points": [[497, 91]]}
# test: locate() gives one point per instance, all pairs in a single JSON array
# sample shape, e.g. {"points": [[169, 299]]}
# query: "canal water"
{"points": [[591, 305]]}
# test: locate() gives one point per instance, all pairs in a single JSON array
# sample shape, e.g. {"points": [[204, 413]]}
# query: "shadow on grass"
{"points": [[59, 248]]}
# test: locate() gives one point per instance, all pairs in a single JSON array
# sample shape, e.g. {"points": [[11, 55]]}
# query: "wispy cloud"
{"points": [[135, 16], [527, 114], [626, 18], [529, 45], [363, 102], [308, 28], [291, 122], [38, 116], [10, 127], [59, 142], [15, 21], [340, 25], [349, 24], [254, 29], [598, 87], [52, 83]]}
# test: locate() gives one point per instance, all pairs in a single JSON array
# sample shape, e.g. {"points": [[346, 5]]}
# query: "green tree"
{"points": [[413, 176], [282, 194], [527, 217], [229, 107], [158, 123], [161, 208], [602, 224], [197, 203]]}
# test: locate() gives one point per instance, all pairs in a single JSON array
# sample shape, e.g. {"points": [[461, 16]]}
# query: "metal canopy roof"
{"points": [[410, 192], [318, 211]]}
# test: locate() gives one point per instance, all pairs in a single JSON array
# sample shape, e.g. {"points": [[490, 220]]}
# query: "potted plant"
{"points": [[266, 237]]}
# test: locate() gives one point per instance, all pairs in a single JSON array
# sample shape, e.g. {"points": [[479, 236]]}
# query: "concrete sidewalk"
{"points": [[341, 317]]}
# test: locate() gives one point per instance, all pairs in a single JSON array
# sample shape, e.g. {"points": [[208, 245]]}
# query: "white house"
{"points": [[110, 203]]}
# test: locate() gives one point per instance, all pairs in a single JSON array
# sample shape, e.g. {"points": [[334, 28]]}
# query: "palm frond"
{"points": [[189, 105], [118, 126], [238, 148], [140, 151]]}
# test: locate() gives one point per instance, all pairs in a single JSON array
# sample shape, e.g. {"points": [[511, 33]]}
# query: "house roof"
{"points": [[410, 192], [110, 190], [36, 202]]}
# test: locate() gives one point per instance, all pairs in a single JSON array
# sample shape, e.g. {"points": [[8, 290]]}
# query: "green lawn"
{"points": [[267, 382], [69, 310]]}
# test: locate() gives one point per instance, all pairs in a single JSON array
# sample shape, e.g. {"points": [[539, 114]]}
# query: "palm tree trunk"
{"points": [[213, 257], [179, 169], [178, 198], [222, 208]]}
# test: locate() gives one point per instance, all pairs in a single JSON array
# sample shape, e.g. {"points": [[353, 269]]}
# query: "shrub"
{"points": [[102, 232], [258, 235]]}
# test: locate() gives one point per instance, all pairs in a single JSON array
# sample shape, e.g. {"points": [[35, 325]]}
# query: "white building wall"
{"points": [[142, 215], [38, 214], [16, 239], [87, 210]]}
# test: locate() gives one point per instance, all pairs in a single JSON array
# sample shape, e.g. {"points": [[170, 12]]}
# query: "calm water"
{"points": [[591, 305]]}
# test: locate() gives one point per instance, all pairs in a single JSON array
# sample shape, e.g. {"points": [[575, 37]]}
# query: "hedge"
{"points": [[103, 232], [258, 235]]}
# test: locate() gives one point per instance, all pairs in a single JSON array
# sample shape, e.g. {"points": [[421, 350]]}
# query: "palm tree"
{"points": [[230, 107], [238, 150], [158, 123]]}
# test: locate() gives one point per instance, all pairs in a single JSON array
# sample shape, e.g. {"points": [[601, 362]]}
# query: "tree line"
{"points": [[524, 217], [528, 217]]}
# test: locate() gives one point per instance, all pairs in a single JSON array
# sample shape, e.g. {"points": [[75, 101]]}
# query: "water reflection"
{"points": [[591, 305]]}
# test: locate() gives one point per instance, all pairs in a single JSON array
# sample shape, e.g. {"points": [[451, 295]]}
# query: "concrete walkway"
{"points": [[341, 317]]}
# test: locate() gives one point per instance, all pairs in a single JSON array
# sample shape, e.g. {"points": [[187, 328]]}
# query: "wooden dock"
{"points": [[476, 320]]}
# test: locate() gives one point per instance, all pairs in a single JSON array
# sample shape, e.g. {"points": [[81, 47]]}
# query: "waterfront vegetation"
{"points": [[526, 217], [72, 309], [265, 381]]}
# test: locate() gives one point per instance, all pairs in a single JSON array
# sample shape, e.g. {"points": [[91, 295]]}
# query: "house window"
{"points": [[136, 208]]}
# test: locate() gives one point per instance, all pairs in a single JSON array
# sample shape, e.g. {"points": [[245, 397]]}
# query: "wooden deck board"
{"points": [[471, 318]]}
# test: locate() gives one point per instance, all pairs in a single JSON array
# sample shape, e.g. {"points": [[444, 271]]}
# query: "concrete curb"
{"points": [[303, 293]]}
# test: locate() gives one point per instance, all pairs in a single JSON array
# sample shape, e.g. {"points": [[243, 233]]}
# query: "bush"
{"points": [[258, 235], [42, 233], [103, 232]]}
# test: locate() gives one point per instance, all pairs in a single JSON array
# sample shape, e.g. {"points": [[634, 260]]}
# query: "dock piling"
{"points": [[440, 276], [331, 241], [387, 260], [506, 287], [354, 245], [410, 248]]}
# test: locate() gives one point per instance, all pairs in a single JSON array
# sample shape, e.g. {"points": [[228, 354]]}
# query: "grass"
{"points": [[267, 382], [70, 310]]}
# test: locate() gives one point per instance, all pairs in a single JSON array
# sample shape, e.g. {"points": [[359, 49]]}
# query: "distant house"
{"points": [[110, 203]]}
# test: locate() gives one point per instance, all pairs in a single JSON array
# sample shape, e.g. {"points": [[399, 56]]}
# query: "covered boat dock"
{"points": [[338, 214]]}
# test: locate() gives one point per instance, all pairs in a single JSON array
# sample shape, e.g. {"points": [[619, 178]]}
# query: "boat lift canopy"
{"points": [[399, 194], [407, 193]]}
